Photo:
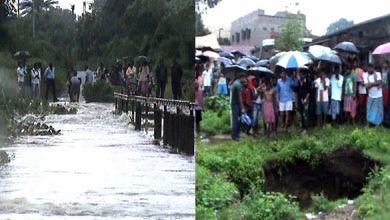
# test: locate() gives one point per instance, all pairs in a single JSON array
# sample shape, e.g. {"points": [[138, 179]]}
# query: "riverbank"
{"points": [[233, 176]]}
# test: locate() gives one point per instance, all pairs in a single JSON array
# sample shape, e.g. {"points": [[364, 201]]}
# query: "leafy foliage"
{"points": [[292, 34], [269, 206], [216, 123], [99, 92], [321, 204], [217, 103], [339, 25]]}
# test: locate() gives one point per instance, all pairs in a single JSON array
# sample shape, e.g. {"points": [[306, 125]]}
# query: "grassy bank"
{"points": [[230, 177]]}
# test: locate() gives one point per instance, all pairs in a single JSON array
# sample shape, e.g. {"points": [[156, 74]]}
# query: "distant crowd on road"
{"points": [[136, 80]]}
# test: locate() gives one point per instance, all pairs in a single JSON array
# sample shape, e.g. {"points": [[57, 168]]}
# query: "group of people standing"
{"points": [[33, 78], [349, 94]]}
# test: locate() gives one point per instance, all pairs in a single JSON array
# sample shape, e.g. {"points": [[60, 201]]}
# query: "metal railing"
{"points": [[174, 127]]}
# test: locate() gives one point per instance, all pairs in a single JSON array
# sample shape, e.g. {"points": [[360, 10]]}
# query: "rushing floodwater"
{"points": [[97, 168]]}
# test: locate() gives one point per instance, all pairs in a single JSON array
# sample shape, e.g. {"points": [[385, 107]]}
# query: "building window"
{"points": [[272, 29], [249, 33], [243, 33], [264, 28], [232, 38], [237, 37]]}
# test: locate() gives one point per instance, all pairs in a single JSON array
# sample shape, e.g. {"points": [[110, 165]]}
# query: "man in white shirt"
{"points": [[336, 83], [35, 80], [21, 71], [206, 75], [322, 97], [373, 83]]}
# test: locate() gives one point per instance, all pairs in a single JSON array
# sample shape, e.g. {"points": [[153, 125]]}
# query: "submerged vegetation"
{"points": [[227, 168]]}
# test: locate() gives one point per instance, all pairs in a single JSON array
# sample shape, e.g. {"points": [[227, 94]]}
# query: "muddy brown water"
{"points": [[340, 174], [98, 168]]}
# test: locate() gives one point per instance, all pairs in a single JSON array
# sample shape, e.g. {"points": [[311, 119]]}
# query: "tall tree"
{"points": [[293, 32], [34, 7], [7, 9], [200, 29], [339, 25]]}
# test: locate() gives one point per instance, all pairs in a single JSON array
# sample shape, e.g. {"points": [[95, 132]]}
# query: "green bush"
{"points": [[219, 194], [321, 204], [216, 123], [99, 92], [269, 206], [217, 103], [203, 213]]}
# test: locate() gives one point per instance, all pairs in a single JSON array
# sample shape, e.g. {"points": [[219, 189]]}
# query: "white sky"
{"points": [[78, 5], [319, 13]]}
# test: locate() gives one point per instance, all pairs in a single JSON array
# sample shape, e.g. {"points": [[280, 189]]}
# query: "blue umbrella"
{"points": [[293, 60], [262, 63], [225, 61], [260, 72], [347, 47], [255, 59], [245, 62]]}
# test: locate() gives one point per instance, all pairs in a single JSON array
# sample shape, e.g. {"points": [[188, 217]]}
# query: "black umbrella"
{"points": [[330, 57], [234, 52], [203, 58], [22, 55], [262, 63], [260, 72], [233, 71], [227, 55], [347, 47], [140, 60], [255, 59]]}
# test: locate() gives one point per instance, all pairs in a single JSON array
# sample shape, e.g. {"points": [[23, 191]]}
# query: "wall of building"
{"points": [[253, 28]]}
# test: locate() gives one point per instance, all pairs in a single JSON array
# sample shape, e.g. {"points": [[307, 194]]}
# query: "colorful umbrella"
{"points": [[276, 57], [382, 49], [293, 60], [347, 47]]}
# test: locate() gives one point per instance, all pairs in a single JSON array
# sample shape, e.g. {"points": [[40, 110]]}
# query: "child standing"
{"points": [[322, 85], [268, 109], [222, 85]]}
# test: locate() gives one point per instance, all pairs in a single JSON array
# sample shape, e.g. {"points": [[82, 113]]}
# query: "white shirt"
{"points": [[258, 100], [337, 87], [20, 71], [321, 92], [35, 76], [207, 77], [222, 81], [373, 92]]}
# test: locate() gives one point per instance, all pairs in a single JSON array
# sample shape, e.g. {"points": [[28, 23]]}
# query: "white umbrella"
{"points": [[319, 50]]}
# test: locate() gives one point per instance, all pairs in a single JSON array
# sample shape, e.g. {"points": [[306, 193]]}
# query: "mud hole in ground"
{"points": [[339, 174]]}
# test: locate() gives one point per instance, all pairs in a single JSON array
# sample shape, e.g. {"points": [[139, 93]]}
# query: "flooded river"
{"points": [[98, 168]]}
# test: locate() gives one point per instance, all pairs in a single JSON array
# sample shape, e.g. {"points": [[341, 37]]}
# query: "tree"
{"points": [[292, 34], [200, 29], [35, 7], [224, 41], [339, 25]]}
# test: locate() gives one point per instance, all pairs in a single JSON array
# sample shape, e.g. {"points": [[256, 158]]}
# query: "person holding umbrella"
{"points": [[50, 81], [237, 106], [336, 83], [21, 71], [284, 89], [176, 75], [162, 78], [35, 80], [373, 83], [385, 86]]}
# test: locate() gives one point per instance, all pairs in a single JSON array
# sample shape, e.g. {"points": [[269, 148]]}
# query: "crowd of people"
{"points": [[136, 80], [350, 93]]}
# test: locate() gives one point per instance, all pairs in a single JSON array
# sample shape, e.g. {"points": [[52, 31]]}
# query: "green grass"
{"points": [[240, 163]]}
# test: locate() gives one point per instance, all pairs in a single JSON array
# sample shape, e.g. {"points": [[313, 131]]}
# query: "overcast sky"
{"points": [[319, 13], [78, 5]]}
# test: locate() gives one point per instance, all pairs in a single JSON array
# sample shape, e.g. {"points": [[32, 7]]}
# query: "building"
{"points": [[255, 27], [366, 36]]}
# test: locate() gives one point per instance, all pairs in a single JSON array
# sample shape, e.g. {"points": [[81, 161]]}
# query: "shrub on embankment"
{"points": [[240, 165], [100, 92]]}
